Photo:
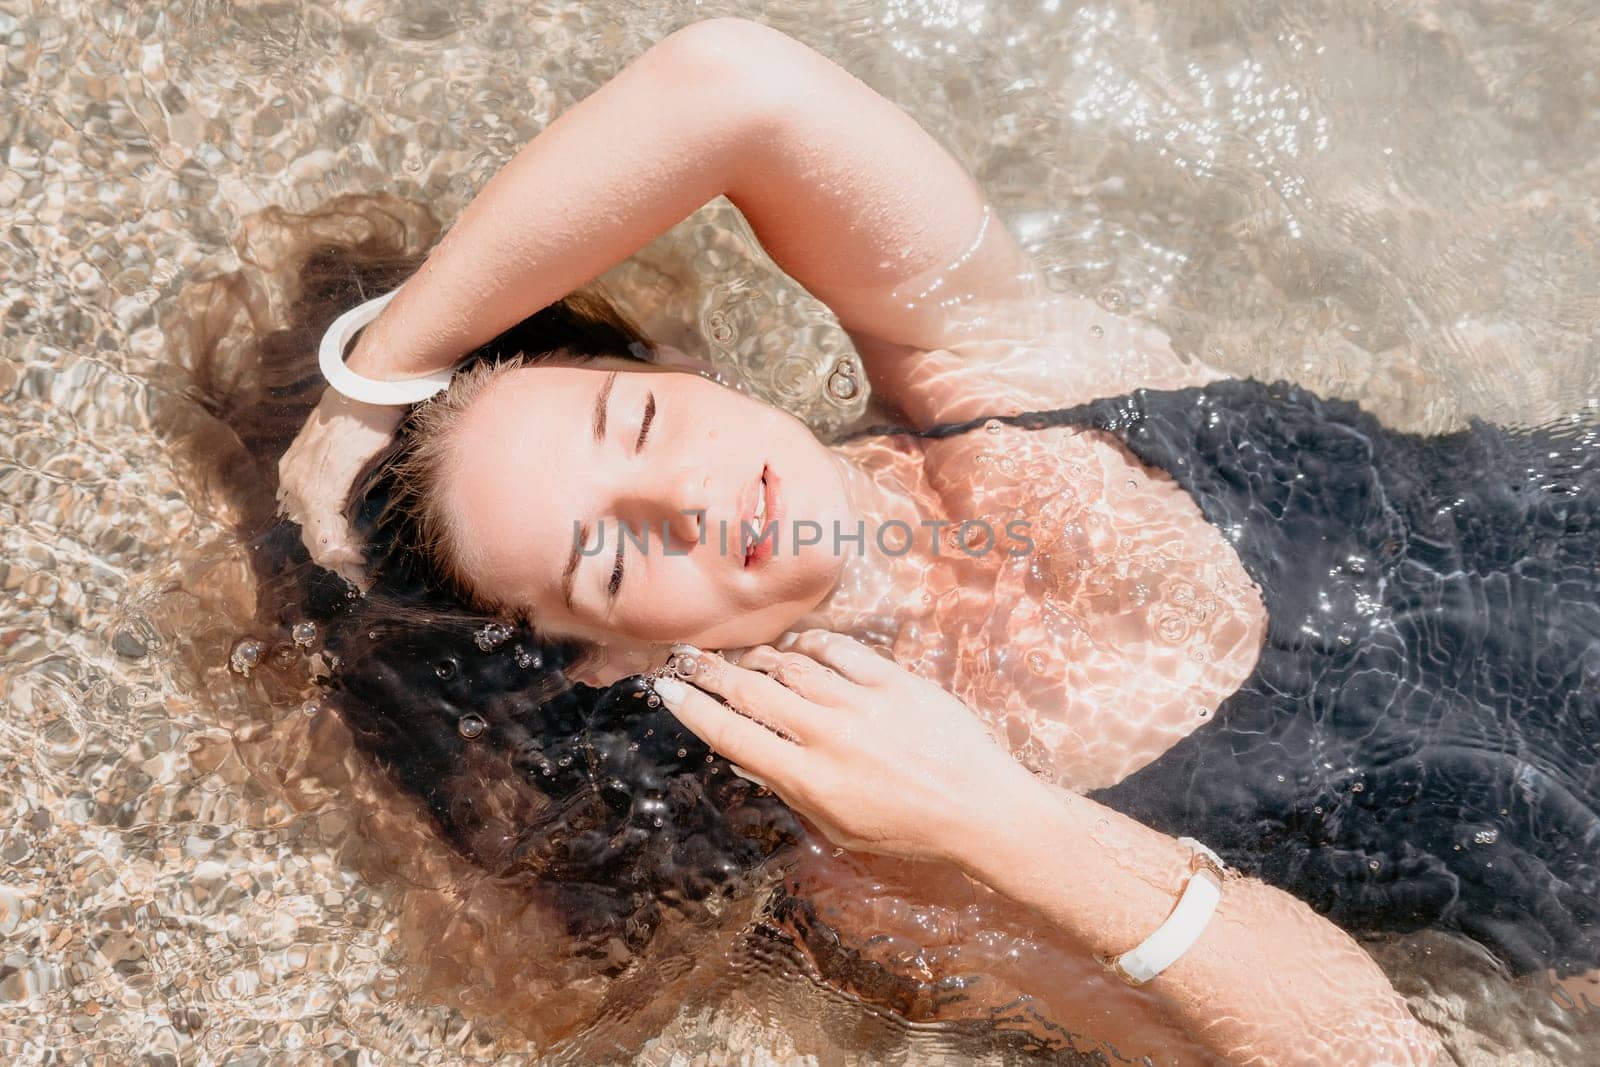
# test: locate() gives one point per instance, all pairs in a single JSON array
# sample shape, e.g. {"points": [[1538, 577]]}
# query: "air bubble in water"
{"points": [[304, 634], [992, 426], [1358, 787], [492, 636], [1374, 864], [842, 385], [246, 656], [1172, 628], [1097, 331], [653, 701], [682, 752], [1485, 837], [471, 726]]}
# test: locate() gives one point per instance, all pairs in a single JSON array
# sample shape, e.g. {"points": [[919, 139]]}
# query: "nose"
{"points": [[676, 503]]}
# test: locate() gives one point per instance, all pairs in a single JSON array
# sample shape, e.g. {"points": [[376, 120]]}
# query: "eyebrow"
{"points": [[569, 575], [601, 401]]}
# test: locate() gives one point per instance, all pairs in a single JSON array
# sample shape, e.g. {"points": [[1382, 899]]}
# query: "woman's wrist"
{"points": [[1107, 879], [1009, 801], [366, 354]]}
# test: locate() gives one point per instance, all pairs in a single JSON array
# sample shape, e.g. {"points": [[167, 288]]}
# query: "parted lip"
{"points": [[761, 485], [746, 510]]}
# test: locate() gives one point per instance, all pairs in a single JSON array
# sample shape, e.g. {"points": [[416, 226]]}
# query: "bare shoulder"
{"points": [[1059, 351]]}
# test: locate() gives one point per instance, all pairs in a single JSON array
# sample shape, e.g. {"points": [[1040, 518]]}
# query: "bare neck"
{"points": [[898, 515]]}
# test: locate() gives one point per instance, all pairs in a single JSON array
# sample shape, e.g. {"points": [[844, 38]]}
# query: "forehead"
{"points": [[518, 475]]}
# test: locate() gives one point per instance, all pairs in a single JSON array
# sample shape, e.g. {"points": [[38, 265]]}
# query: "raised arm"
{"points": [[845, 191]]}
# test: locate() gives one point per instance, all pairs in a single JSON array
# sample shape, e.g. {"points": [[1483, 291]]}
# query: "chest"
{"points": [[1080, 602]]}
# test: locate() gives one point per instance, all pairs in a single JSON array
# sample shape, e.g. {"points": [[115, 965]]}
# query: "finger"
{"points": [[328, 540], [742, 740], [851, 658], [356, 576], [747, 776], [800, 674], [288, 504], [752, 692]]}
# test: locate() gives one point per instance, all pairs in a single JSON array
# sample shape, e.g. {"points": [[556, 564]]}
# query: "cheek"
{"points": [[682, 602], [674, 599]]}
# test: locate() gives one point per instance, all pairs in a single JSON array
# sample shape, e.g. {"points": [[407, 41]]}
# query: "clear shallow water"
{"points": [[1396, 206]]}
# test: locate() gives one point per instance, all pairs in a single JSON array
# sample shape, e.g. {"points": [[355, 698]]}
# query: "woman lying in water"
{"points": [[1360, 665]]}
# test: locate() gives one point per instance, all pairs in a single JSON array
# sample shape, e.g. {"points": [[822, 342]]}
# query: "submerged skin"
{"points": [[876, 220]]}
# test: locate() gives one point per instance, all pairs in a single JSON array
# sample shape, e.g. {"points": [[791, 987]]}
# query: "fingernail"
{"points": [[670, 690], [747, 776]]}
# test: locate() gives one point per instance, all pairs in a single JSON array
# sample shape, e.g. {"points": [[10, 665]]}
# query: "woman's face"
{"points": [[563, 454]]}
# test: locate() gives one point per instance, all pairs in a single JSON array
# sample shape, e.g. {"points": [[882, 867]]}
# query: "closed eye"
{"points": [[616, 571], [649, 417]]}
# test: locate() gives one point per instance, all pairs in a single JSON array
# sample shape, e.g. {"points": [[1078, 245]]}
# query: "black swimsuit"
{"points": [[1419, 745]]}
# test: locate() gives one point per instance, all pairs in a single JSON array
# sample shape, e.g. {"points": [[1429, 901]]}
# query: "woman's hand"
{"points": [[316, 473], [877, 758]]}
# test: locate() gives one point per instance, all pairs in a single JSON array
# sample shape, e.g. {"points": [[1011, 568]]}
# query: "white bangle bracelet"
{"points": [[1183, 927], [369, 390]]}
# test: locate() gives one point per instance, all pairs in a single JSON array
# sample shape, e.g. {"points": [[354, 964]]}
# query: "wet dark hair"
{"points": [[594, 798]]}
